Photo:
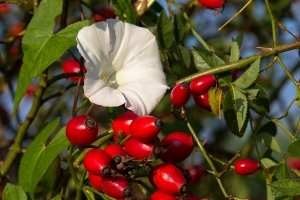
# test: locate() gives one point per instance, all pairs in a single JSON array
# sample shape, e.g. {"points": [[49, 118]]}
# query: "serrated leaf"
{"points": [[235, 48], [204, 59], [286, 187], [261, 102], [41, 47], [38, 156], [281, 172], [241, 107], [252, 93], [124, 11], [294, 149], [13, 192], [164, 31], [51, 175], [266, 136], [184, 56], [179, 29], [296, 171], [249, 76], [230, 115], [215, 100]]}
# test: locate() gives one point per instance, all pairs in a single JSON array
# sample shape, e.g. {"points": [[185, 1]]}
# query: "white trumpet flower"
{"points": [[123, 66]]}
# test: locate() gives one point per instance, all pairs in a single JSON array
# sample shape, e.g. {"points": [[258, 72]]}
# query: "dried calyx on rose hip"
{"points": [[246, 166], [145, 128], [118, 155], [97, 162], [180, 94], [82, 130]]}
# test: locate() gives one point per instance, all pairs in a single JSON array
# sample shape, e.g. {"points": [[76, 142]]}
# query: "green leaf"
{"points": [[252, 93], [204, 59], [294, 149], [286, 187], [164, 31], [235, 48], [266, 136], [38, 156], [296, 172], [179, 29], [149, 18], [241, 106], [215, 100], [184, 56], [249, 76], [13, 192], [266, 162], [261, 102], [124, 11], [51, 175], [231, 113], [41, 47], [281, 172]]}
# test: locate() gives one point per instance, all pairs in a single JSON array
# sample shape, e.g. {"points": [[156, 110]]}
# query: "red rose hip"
{"points": [[180, 94], [202, 84], [145, 128], [212, 4], [82, 130], [97, 162], [246, 166], [159, 195], [140, 150], [122, 123], [181, 146], [72, 66], [95, 181], [169, 179], [202, 101], [116, 186]]}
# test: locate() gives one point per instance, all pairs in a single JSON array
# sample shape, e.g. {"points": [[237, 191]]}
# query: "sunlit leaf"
{"points": [[164, 31], [266, 136], [261, 102], [41, 47], [281, 172], [249, 76], [215, 100], [235, 48], [13, 192], [241, 106], [286, 187]]}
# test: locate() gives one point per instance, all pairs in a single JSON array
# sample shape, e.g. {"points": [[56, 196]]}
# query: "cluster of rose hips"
{"points": [[110, 169], [199, 87]]}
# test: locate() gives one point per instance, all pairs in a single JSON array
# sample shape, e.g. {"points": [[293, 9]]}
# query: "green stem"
{"points": [[84, 103], [272, 22], [71, 168], [16, 147], [243, 62], [206, 156], [97, 143]]}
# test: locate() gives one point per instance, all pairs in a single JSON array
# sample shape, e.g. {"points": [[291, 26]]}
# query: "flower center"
{"points": [[109, 80]]}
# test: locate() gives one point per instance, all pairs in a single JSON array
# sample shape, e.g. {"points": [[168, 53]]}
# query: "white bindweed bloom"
{"points": [[123, 66]]}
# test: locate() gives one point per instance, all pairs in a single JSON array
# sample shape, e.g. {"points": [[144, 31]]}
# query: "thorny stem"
{"points": [[272, 22], [206, 156], [243, 62]]}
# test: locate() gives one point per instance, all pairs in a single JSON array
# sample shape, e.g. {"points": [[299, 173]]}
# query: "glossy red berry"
{"points": [[122, 123], [159, 195], [95, 181], [106, 11], [115, 152], [293, 163], [202, 101], [246, 166], [180, 94], [202, 84], [212, 4], [139, 150], [181, 146], [97, 162], [169, 179], [82, 130], [72, 66], [145, 128], [150, 177], [116, 187], [196, 172]]}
